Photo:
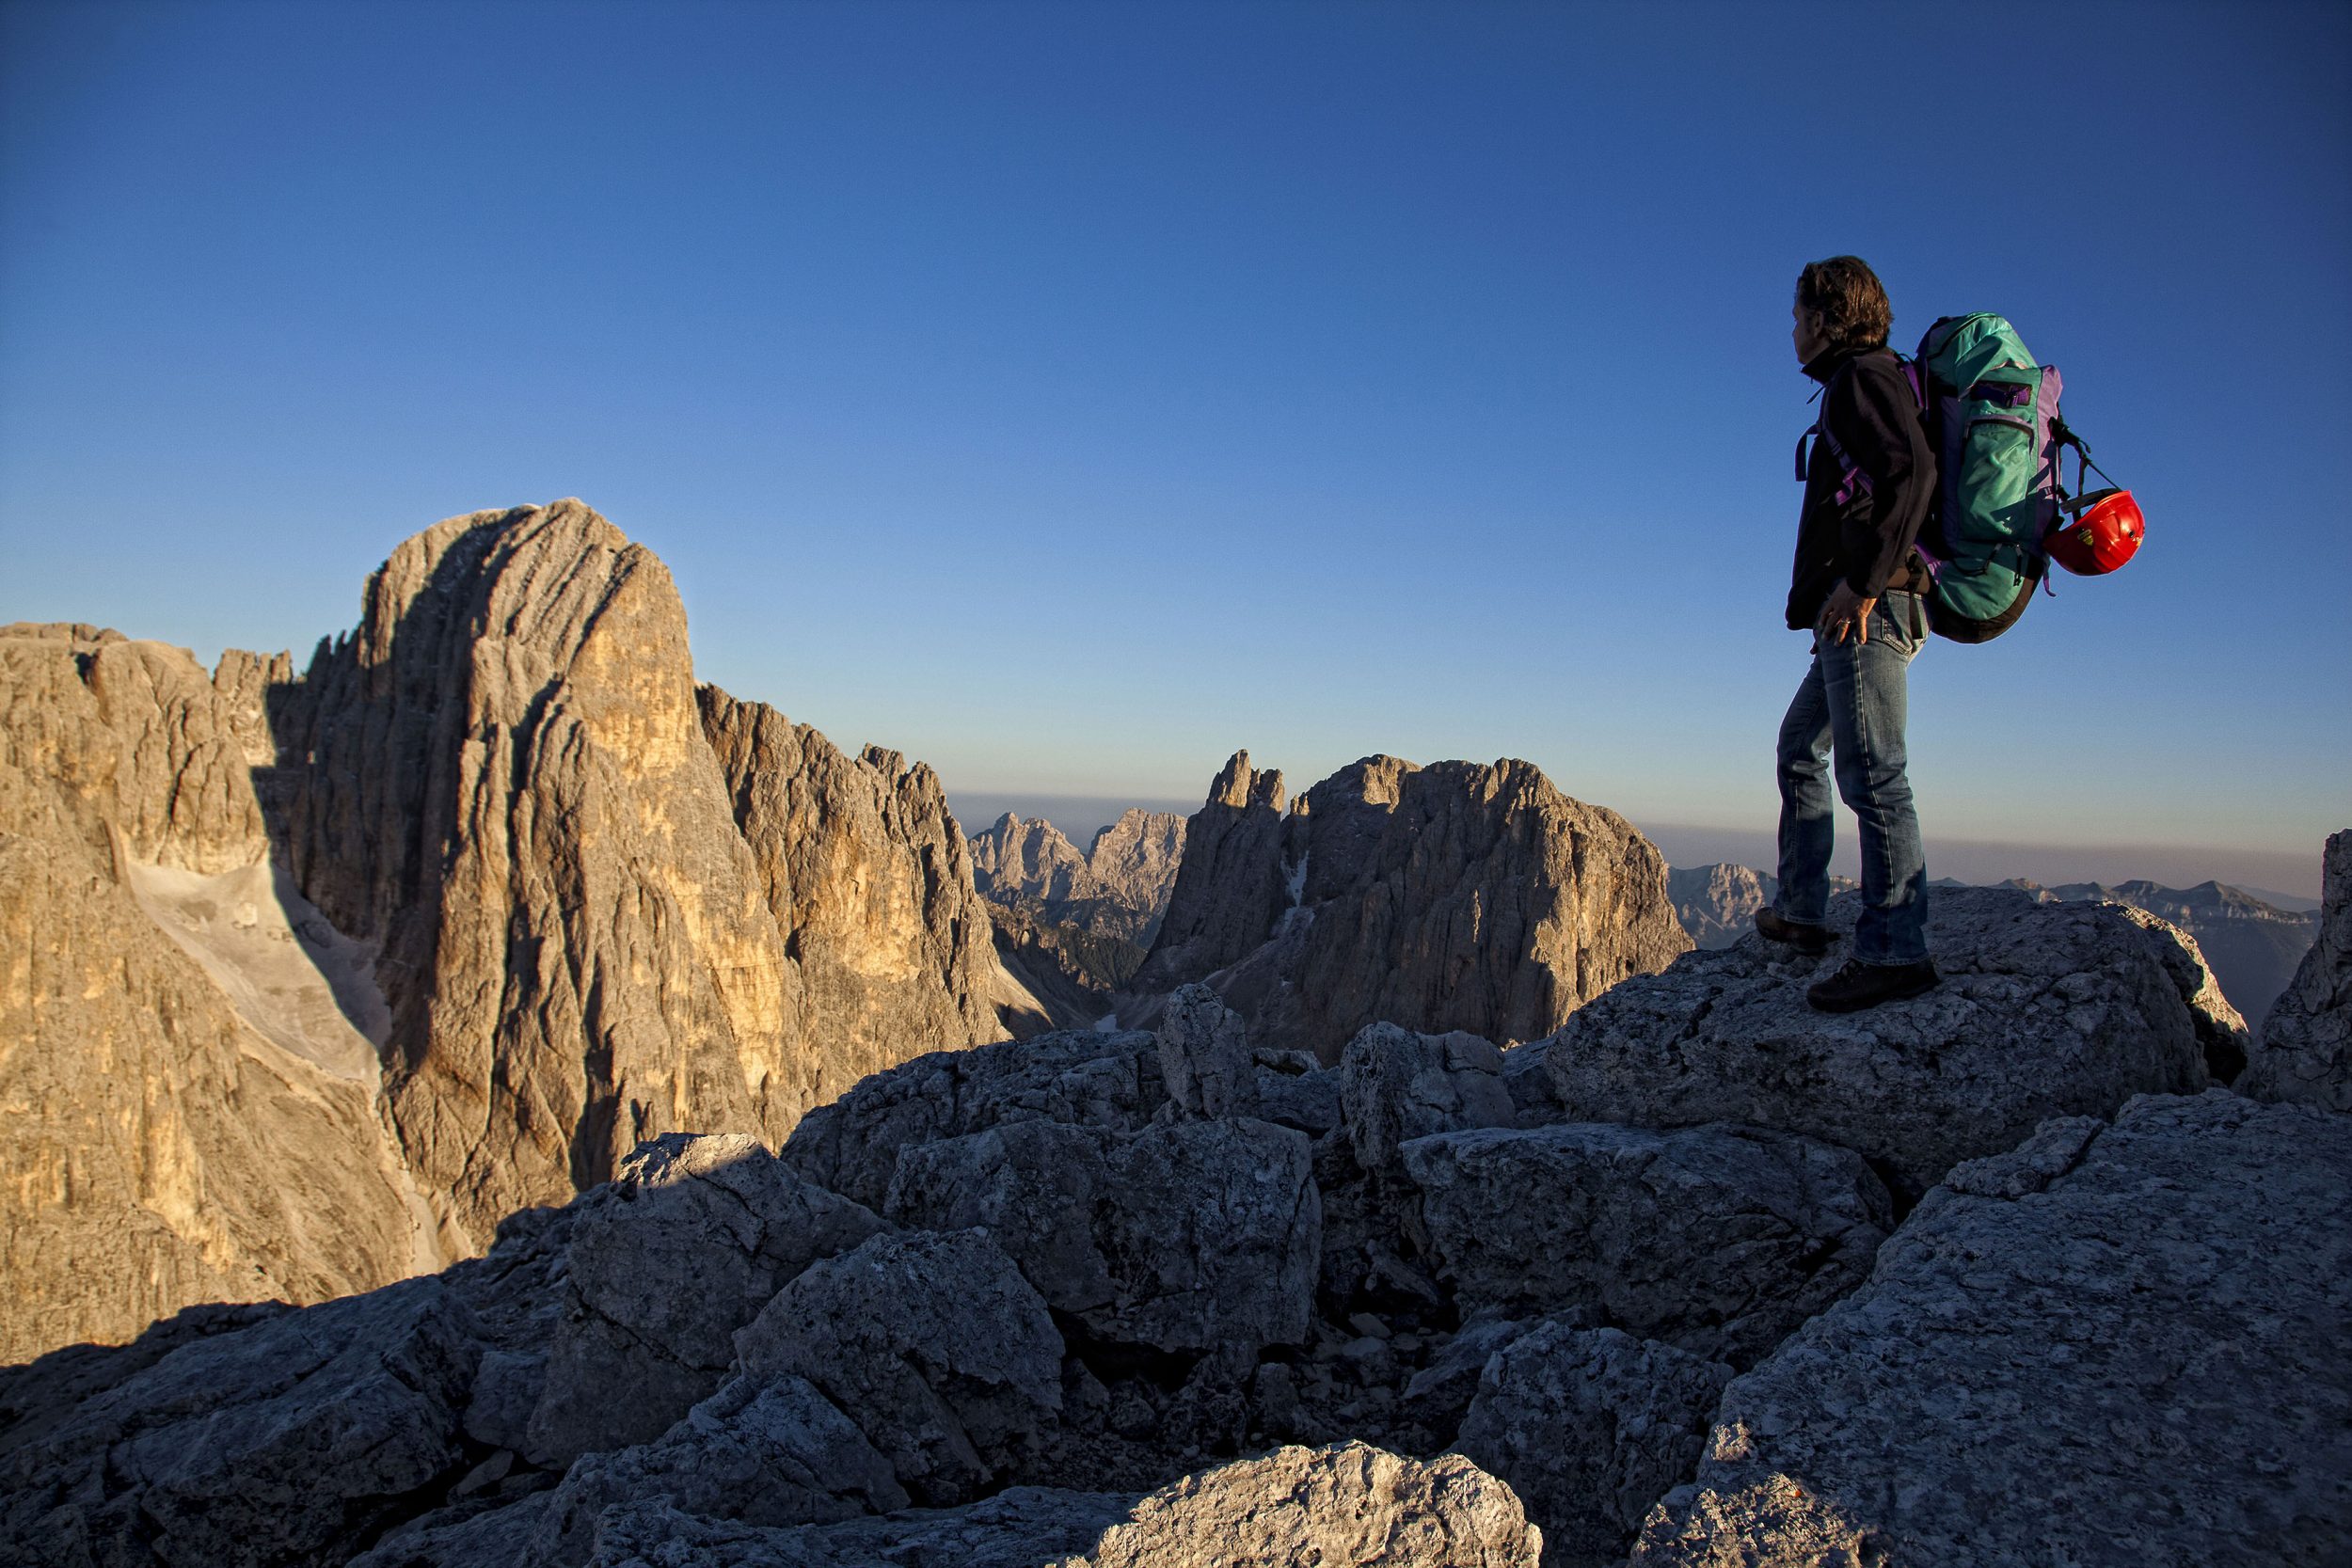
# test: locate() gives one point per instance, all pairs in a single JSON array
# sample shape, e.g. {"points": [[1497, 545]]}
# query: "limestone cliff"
{"points": [[164, 1148], [492, 875], [1451, 896], [870, 884], [501, 777], [609, 907]]}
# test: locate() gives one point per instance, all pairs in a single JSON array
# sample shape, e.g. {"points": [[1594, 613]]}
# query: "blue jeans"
{"points": [[1855, 698]]}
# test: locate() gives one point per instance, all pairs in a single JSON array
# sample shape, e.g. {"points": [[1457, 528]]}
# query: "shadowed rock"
{"points": [[934, 1346], [1396, 1085], [2305, 1050], [1230, 885], [777, 1453], [1193, 1237], [1205, 1058], [288, 1441], [1590, 1427], [685, 1246], [1718, 1240], [1083, 1076], [2118, 1345]]}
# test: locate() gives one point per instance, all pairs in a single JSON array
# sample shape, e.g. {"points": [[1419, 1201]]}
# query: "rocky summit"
{"points": [[1455, 896], [1705, 1277], [488, 1101]]}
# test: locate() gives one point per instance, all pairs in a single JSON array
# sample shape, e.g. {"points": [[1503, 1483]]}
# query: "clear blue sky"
{"points": [[1068, 395]]}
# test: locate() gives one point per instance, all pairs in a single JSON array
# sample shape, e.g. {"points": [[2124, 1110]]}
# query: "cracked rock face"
{"points": [[773, 1453], [1590, 1427], [1449, 897], [2122, 1345], [1231, 885], [933, 1345], [161, 1150], [683, 1248], [286, 1441], [1205, 1057], [1082, 1076], [1719, 1240], [2045, 1010], [1396, 1085], [609, 904], [1200, 1236], [1347, 1503], [2304, 1055]]}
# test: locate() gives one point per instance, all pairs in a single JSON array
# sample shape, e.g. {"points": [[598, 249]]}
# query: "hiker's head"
{"points": [[1841, 308]]}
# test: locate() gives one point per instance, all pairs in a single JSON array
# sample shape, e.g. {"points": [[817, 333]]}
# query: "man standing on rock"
{"points": [[1869, 476]]}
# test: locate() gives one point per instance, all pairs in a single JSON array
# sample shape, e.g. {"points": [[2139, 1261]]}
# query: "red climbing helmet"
{"points": [[2102, 534]]}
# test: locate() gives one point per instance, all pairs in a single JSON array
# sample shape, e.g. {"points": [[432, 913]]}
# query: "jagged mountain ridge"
{"points": [[1076, 926], [1456, 895], [539, 897]]}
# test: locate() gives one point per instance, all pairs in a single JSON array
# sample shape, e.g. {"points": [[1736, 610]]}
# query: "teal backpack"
{"points": [[1993, 415]]}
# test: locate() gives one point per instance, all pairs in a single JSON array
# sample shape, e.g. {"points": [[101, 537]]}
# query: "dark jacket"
{"points": [[1868, 411]]}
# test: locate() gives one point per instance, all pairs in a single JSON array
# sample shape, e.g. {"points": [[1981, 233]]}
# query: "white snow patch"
{"points": [[300, 983], [1298, 881]]}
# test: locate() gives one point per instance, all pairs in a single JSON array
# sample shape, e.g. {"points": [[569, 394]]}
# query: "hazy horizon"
{"points": [[2297, 877]]}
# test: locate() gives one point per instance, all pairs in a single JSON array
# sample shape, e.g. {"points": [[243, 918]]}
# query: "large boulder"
{"points": [[680, 1250], [2222, 1037], [1205, 1058], [1719, 1240], [1396, 1085], [2305, 1055], [2117, 1344], [774, 1454], [933, 1345], [1349, 1503], [1455, 896], [2044, 1010], [1192, 1236], [1086, 1077], [289, 1440], [1590, 1427]]}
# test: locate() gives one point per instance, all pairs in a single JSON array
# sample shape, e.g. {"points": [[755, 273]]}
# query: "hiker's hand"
{"points": [[1846, 611]]}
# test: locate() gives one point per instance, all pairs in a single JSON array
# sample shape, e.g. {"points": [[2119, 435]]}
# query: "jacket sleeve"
{"points": [[1880, 426]]}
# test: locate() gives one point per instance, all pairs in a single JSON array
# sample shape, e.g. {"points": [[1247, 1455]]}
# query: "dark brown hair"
{"points": [[1852, 300]]}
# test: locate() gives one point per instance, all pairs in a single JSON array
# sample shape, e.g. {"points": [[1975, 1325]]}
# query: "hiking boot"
{"points": [[1773, 927], [1859, 985]]}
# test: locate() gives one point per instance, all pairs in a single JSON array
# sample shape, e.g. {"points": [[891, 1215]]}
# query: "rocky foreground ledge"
{"points": [[1991, 1277]]}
